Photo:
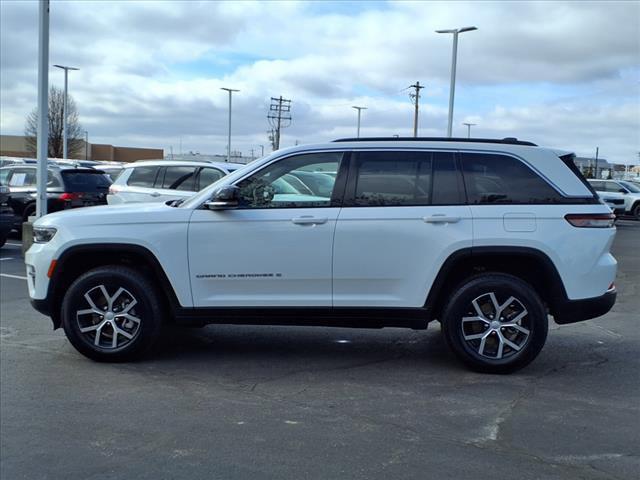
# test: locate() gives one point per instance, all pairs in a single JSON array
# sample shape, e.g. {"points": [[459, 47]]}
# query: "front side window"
{"points": [[143, 177], [180, 178], [613, 187], [493, 179], [279, 186]]}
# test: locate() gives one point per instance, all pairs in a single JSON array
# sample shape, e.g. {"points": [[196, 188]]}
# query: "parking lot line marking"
{"points": [[6, 258], [12, 276]]}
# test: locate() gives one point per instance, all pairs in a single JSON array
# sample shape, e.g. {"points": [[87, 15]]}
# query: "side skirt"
{"points": [[350, 317]]}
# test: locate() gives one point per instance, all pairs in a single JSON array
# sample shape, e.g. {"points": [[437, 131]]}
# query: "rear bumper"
{"points": [[574, 311]]}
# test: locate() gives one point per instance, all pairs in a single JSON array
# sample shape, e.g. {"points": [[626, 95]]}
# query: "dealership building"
{"points": [[16, 146]]}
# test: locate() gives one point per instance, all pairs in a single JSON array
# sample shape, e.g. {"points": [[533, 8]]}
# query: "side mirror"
{"points": [[224, 199]]}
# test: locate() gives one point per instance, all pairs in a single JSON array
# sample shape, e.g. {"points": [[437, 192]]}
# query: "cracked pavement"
{"points": [[236, 402]]}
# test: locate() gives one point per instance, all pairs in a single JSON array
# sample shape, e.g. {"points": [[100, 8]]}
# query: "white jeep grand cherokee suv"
{"points": [[486, 236]]}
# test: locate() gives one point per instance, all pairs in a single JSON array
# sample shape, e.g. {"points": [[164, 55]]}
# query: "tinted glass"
{"points": [[631, 187], [492, 178], [597, 185], [180, 178], [392, 178], [75, 181], [52, 180], [4, 175], [446, 186], [209, 176], [143, 177], [612, 187], [276, 187]]}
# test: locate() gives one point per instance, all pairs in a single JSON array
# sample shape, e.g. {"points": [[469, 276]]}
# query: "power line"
{"points": [[279, 117], [415, 98]]}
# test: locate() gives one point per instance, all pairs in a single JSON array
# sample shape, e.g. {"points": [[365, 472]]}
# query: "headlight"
{"points": [[43, 234]]}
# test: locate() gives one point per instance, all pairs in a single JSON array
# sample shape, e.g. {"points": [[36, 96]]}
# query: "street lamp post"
{"points": [[230, 90], [359, 109], [454, 55], [86, 145], [469, 125], [42, 138], [64, 109]]}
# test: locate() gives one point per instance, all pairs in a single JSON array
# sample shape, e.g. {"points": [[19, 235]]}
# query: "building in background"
{"points": [[16, 146]]}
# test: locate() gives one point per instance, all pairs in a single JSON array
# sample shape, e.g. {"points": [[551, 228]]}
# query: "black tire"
{"points": [[147, 309], [3, 240], [480, 341], [636, 211]]}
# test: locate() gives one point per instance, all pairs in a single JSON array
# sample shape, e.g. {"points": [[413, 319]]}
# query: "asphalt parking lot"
{"points": [[234, 402]]}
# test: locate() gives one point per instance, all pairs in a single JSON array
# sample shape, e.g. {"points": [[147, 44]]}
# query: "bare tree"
{"points": [[74, 129]]}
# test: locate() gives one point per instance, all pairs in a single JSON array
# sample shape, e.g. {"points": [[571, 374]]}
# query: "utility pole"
{"points": [[261, 151], [359, 109], [415, 98], [86, 145], [65, 153], [43, 108], [597, 149], [469, 125], [230, 90], [279, 117]]}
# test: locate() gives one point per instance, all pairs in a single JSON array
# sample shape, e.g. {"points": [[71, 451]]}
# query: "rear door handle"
{"points": [[155, 194], [309, 220], [439, 218]]}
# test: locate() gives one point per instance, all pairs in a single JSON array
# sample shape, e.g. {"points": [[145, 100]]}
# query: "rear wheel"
{"points": [[112, 313], [29, 211], [636, 211], [495, 323]]}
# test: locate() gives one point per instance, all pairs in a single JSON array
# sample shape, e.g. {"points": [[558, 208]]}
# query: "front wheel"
{"points": [[636, 211], [495, 323], [112, 314]]}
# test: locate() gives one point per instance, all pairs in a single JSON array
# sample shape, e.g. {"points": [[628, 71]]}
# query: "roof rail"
{"points": [[507, 140]]}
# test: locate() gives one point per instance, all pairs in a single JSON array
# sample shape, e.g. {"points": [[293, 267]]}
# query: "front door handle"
{"points": [[309, 220], [155, 194], [441, 218]]}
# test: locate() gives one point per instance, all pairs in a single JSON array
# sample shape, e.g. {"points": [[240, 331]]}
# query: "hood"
{"points": [[129, 213]]}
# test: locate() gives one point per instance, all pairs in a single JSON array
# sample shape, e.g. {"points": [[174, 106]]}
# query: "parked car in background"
{"points": [[6, 214], [628, 191], [111, 170], [162, 180], [67, 187]]}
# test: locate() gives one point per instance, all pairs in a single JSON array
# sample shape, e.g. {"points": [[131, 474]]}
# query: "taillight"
{"points": [[113, 190], [70, 196], [591, 220]]}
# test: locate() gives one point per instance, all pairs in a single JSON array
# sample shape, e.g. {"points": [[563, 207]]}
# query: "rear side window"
{"points": [[143, 177], [613, 187], [23, 177], [209, 176], [180, 178], [406, 178], [84, 181], [493, 178]]}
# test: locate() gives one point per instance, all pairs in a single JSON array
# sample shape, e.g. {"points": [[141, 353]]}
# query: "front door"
{"points": [[275, 249]]}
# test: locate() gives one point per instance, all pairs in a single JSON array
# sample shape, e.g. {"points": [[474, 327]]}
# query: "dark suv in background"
{"points": [[67, 187]]}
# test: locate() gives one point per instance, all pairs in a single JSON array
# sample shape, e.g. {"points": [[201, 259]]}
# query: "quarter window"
{"points": [[143, 177], [280, 186], [492, 178]]}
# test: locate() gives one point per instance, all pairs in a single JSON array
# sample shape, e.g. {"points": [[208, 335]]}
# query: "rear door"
{"points": [[140, 184], [176, 182], [403, 215]]}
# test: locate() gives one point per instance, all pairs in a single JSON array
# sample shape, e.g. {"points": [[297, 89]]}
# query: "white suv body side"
{"points": [[340, 256]]}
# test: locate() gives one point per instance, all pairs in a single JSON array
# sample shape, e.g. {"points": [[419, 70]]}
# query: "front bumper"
{"points": [[573, 311]]}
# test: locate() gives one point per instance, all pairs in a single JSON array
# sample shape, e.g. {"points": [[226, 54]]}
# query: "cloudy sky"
{"points": [[559, 74]]}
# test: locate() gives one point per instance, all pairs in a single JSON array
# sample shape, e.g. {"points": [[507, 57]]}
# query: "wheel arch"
{"points": [[80, 258], [529, 264]]}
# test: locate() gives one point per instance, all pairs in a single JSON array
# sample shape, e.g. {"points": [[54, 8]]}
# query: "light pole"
{"points": [[261, 151], [454, 56], [230, 90], [43, 108], [86, 145], [359, 109], [469, 125], [64, 108]]}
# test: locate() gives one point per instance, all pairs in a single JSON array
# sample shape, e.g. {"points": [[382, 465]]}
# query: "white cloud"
{"points": [[152, 72]]}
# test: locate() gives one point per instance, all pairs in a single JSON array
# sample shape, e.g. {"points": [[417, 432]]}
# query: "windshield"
{"points": [[630, 186]]}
